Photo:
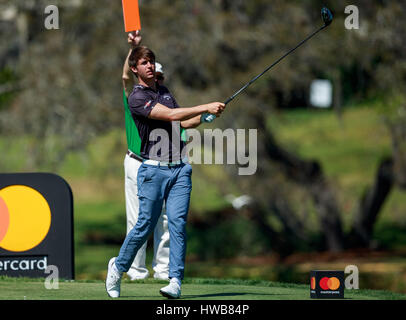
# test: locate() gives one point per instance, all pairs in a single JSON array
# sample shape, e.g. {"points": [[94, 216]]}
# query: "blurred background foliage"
{"points": [[329, 181]]}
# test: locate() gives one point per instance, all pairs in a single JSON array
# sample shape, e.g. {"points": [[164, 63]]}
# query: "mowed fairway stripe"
{"points": [[79, 290]]}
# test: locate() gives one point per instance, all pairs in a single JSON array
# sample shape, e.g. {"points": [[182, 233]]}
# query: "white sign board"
{"points": [[321, 93]]}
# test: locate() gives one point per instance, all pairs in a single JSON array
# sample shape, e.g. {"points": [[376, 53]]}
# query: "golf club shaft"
{"points": [[211, 117], [271, 66]]}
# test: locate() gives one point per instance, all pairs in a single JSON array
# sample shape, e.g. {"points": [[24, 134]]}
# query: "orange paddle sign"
{"points": [[131, 15]]}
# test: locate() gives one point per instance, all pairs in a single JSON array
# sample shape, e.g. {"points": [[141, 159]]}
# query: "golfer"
{"points": [[132, 162], [164, 174]]}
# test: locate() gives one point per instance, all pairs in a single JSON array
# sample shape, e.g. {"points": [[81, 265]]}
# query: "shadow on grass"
{"points": [[230, 294], [211, 295]]}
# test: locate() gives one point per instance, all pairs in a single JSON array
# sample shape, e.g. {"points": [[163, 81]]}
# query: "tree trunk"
{"points": [[277, 241], [310, 175], [370, 206]]}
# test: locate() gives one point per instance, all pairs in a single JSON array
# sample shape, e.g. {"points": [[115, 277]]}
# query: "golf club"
{"points": [[327, 17]]}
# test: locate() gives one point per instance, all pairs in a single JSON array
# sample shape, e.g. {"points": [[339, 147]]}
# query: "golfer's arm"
{"points": [[161, 112], [191, 123], [128, 77]]}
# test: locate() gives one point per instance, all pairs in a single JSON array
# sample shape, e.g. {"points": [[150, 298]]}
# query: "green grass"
{"points": [[349, 149], [192, 289]]}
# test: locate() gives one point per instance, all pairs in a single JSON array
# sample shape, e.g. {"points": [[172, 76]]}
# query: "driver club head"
{"points": [[327, 16]]}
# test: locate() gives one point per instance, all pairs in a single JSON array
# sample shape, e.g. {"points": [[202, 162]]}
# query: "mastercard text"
{"points": [[23, 263]]}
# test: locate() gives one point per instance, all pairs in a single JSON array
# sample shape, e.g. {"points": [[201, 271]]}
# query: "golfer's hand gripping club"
{"points": [[209, 117]]}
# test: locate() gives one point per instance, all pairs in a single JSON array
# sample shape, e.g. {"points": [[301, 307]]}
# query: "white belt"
{"points": [[164, 163]]}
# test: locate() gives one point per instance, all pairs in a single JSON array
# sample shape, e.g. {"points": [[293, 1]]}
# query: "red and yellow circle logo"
{"points": [[25, 218], [329, 283]]}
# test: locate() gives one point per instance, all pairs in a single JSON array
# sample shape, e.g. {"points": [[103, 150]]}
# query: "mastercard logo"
{"points": [[325, 283], [25, 218], [329, 283]]}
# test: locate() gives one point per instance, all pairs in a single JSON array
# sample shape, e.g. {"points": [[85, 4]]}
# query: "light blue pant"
{"points": [[156, 184]]}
